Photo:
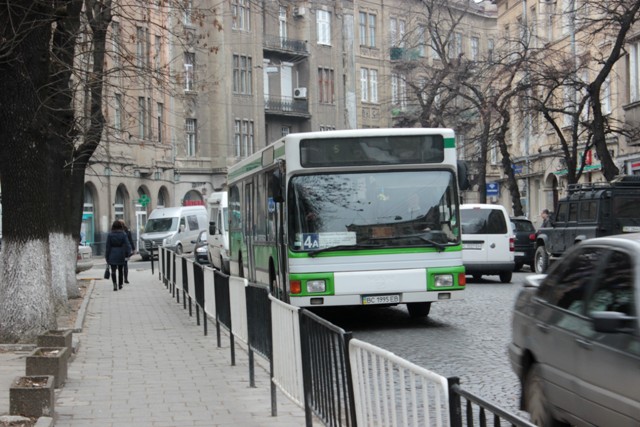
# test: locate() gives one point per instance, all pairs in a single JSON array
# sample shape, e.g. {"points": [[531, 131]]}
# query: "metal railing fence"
{"points": [[328, 389], [337, 380]]}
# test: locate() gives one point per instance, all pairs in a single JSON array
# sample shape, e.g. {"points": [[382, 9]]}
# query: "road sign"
{"points": [[493, 189], [144, 200], [517, 169]]}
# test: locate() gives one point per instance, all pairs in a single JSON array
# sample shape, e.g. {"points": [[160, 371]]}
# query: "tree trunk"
{"points": [[26, 303]]}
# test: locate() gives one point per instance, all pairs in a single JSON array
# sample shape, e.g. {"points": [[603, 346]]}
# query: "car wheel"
{"points": [[505, 276], [146, 257], [535, 401], [541, 260], [518, 266], [418, 309], [179, 250]]}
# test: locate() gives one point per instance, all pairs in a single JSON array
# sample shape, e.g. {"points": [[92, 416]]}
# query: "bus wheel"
{"points": [[418, 309]]}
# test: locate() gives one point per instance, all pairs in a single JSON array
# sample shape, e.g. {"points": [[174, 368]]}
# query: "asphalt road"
{"points": [[467, 338]]}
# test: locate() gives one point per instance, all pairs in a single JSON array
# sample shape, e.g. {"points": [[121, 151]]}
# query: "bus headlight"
{"points": [[443, 280], [314, 286]]}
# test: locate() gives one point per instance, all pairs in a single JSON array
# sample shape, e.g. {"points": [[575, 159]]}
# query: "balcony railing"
{"points": [[285, 44], [285, 105]]}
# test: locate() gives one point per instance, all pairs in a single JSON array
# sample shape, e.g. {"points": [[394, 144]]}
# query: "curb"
{"points": [[82, 312]]}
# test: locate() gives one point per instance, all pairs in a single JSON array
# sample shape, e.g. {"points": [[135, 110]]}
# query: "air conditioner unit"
{"points": [[300, 93], [299, 11]]}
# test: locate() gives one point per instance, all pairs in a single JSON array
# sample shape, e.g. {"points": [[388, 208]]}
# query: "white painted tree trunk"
{"points": [[59, 266], [26, 303]]}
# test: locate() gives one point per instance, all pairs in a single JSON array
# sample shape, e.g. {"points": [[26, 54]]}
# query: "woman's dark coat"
{"points": [[118, 248]]}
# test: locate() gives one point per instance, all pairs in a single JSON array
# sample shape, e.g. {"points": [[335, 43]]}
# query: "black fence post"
{"points": [[151, 250], [455, 410]]}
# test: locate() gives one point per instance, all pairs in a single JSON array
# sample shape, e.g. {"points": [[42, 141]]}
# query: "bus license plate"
{"points": [[380, 299], [472, 246]]}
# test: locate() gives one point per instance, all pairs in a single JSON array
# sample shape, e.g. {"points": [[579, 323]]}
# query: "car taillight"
{"points": [[512, 244], [532, 236]]}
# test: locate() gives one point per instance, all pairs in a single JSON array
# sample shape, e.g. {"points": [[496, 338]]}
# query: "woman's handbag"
{"points": [[107, 273]]}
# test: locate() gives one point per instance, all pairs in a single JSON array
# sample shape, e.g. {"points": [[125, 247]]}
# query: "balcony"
{"points": [[285, 45], [286, 106]]}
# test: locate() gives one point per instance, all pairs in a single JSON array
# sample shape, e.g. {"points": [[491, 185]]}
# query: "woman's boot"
{"points": [[115, 287]]}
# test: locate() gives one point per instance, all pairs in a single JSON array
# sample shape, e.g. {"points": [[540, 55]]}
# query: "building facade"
{"points": [[193, 88]]}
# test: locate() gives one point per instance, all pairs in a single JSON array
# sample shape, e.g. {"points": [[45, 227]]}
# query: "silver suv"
{"points": [[576, 336]]}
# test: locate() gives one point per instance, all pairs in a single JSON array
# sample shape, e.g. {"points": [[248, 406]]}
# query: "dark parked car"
{"points": [[525, 245], [576, 336], [200, 249], [589, 210]]}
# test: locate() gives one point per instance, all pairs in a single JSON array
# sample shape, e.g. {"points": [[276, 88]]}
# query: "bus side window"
{"points": [[234, 206]]}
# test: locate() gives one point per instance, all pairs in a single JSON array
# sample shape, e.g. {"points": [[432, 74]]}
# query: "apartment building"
{"points": [[201, 86], [561, 29]]}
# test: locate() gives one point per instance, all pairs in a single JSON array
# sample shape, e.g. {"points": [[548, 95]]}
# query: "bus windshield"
{"points": [[373, 209]]}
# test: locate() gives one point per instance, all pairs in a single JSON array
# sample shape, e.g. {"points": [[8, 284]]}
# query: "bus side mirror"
{"points": [[276, 186], [212, 227], [463, 175]]}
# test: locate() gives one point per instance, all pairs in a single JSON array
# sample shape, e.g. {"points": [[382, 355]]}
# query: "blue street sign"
{"points": [[516, 168], [493, 188]]}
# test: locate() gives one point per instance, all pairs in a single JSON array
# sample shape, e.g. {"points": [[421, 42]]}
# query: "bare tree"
{"points": [[53, 64], [569, 80]]}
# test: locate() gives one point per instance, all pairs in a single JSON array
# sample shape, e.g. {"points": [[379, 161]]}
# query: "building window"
{"points": [[368, 85], [142, 115], [189, 75], [634, 71], [241, 14], [140, 47], [242, 74], [243, 138], [285, 130], [373, 85], [326, 128], [364, 84], [475, 48], [367, 29], [323, 21], [282, 24], [398, 90], [160, 119], [115, 40], [490, 49], [188, 8], [393, 32], [158, 53], [422, 40], [606, 96], [325, 86], [191, 127], [117, 119], [397, 29]]}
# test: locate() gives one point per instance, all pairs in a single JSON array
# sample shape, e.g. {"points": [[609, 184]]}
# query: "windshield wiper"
{"points": [[342, 248], [439, 246]]}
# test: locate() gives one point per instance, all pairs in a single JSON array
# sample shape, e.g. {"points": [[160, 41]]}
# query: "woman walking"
{"points": [[118, 249], [133, 249]]}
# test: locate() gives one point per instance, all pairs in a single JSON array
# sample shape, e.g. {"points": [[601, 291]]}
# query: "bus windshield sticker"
{"points": [[326, 240]]}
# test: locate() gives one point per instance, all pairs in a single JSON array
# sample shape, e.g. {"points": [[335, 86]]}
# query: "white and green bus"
{"points": [[354, 217]]}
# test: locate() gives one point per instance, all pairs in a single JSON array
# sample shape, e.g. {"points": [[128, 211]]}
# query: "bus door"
{"points": [[249, 263]]}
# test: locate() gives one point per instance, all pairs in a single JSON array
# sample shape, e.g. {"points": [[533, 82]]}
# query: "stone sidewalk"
{"points": [[142, 361]]}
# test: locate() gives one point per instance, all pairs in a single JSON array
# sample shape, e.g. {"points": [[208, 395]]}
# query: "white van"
{"points": [[218, 240], [488, 241], [174, 228]]}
